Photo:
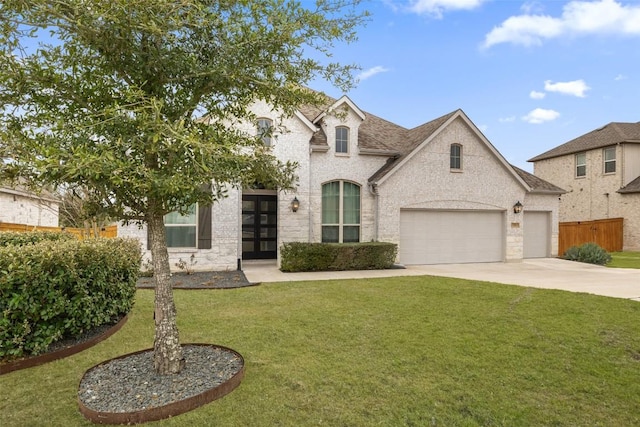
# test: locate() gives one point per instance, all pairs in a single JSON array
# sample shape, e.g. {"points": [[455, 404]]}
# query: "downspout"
{"points": [[373, 189], [622, 177], [310, 192]]}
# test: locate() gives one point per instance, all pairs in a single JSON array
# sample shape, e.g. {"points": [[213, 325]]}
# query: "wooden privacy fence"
{"points": [[607, 233], [109, 231]]}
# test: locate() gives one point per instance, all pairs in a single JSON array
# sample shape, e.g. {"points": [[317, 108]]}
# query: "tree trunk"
{"points": [[167, 350]]}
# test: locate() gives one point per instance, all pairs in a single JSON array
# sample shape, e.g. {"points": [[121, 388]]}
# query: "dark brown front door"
{"points": [[259, 226]]}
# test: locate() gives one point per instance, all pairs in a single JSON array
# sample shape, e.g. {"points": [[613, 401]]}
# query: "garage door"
{"points": [[447, 237], [536, 234]]}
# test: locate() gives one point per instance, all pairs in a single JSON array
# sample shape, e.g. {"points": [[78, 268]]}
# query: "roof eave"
{"points": [[378, 152]]}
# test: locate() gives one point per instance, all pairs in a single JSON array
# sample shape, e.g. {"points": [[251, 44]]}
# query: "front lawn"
{"points": [[625, 260], [391, 352]]}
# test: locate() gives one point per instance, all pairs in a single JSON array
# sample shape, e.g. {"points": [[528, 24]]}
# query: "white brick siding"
{"points": [[18, 208], [423, 181]]}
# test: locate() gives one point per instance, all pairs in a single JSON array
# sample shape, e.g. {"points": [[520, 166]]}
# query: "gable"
{"points": [[422, 137]]}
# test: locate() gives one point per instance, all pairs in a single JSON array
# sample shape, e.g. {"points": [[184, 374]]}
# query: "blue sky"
{"points": [[530, 74]]}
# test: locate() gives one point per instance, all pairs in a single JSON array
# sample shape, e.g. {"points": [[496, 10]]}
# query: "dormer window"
{"points": [[264, 131], [342, 140], [455, 157]]}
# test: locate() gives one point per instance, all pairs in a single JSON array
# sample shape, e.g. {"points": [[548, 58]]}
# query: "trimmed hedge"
{"points": [[590, 253], [337, 256], [30, 237], [55, 289]]}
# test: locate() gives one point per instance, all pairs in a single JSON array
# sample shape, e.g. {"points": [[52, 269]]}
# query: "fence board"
{"points": [[108, 232], [607, 233]]}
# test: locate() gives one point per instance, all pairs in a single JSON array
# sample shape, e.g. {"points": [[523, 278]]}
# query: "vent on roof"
{"points": [[599, 129]]}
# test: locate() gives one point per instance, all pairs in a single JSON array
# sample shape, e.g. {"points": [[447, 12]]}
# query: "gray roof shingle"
{"points": [[632, 187], [613, 133], [538, 185], [398, 142]]}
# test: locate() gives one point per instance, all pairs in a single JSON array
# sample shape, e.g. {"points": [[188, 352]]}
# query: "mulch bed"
{"points": [[203, 280]]}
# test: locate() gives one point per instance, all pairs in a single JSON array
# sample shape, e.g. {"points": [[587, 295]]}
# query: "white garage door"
{"points": [[537, 235], [449, 237]]}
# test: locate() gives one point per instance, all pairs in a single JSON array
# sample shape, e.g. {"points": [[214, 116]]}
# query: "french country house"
{"points": [[441, 191], [601, 173]]}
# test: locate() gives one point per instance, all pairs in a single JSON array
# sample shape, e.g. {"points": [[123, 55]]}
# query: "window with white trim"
{"points": [[264, 131], [581, 165], [340, 212], [455, 157], [609, 156], [342, 139], [182, 229]]}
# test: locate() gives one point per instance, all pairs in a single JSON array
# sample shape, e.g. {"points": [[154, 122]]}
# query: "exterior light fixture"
{"points": [[517, 208], [295, 204]]}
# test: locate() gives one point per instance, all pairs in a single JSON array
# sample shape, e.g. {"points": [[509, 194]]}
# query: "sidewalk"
{"points": [[547, 273]]}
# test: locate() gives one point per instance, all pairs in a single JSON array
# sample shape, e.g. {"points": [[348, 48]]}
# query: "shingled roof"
{"points": [[613, 133], [632, 187], [537, 185], [381, 136]]}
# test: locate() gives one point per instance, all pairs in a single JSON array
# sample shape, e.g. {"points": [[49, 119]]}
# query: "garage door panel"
{"points": [[444, 237], [536, 234]]}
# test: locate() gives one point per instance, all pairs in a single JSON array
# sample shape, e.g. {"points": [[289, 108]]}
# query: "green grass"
{"points": [[405, 351], [625, 260]]}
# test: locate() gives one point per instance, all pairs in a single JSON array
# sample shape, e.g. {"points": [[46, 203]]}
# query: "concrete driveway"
{"points": [[547, 273]]}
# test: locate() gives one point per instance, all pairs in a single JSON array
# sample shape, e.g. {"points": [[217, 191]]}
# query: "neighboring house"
{"points": [[441, 191], [601, 173], [20, 206]]}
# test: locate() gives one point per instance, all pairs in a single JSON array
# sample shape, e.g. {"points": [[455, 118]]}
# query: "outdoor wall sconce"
{"points": [[517, 208], [295, 204]]}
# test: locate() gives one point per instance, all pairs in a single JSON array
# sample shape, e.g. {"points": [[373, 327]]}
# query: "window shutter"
{"points": [[204, 227]]}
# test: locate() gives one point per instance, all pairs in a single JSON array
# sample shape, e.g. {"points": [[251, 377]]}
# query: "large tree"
{"points": [[109, 96]]}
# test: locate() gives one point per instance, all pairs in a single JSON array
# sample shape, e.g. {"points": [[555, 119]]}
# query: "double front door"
{"points": [[259, 226]]}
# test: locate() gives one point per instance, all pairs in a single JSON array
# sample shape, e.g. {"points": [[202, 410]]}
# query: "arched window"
{"points": [[340, 212], [264, 128], [342, 139], [455, 159]]}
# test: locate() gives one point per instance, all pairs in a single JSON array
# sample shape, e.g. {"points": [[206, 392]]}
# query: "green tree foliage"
{"points": [[113, 102]]}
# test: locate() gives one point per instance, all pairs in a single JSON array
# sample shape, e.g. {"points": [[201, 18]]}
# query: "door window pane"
{"points": [[248, 205], [248, 219]]}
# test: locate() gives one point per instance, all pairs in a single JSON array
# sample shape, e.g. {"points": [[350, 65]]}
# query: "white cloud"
{"points": [[620, 77], [575, 88], [437, 7], [578, 18], [509, 119], [371, 72], [540, 115], [537, 95]]}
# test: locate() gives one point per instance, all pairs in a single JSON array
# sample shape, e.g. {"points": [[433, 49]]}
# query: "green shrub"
{"points": [[298, 256], [55, 289], [589, 252], [30, 237]]}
